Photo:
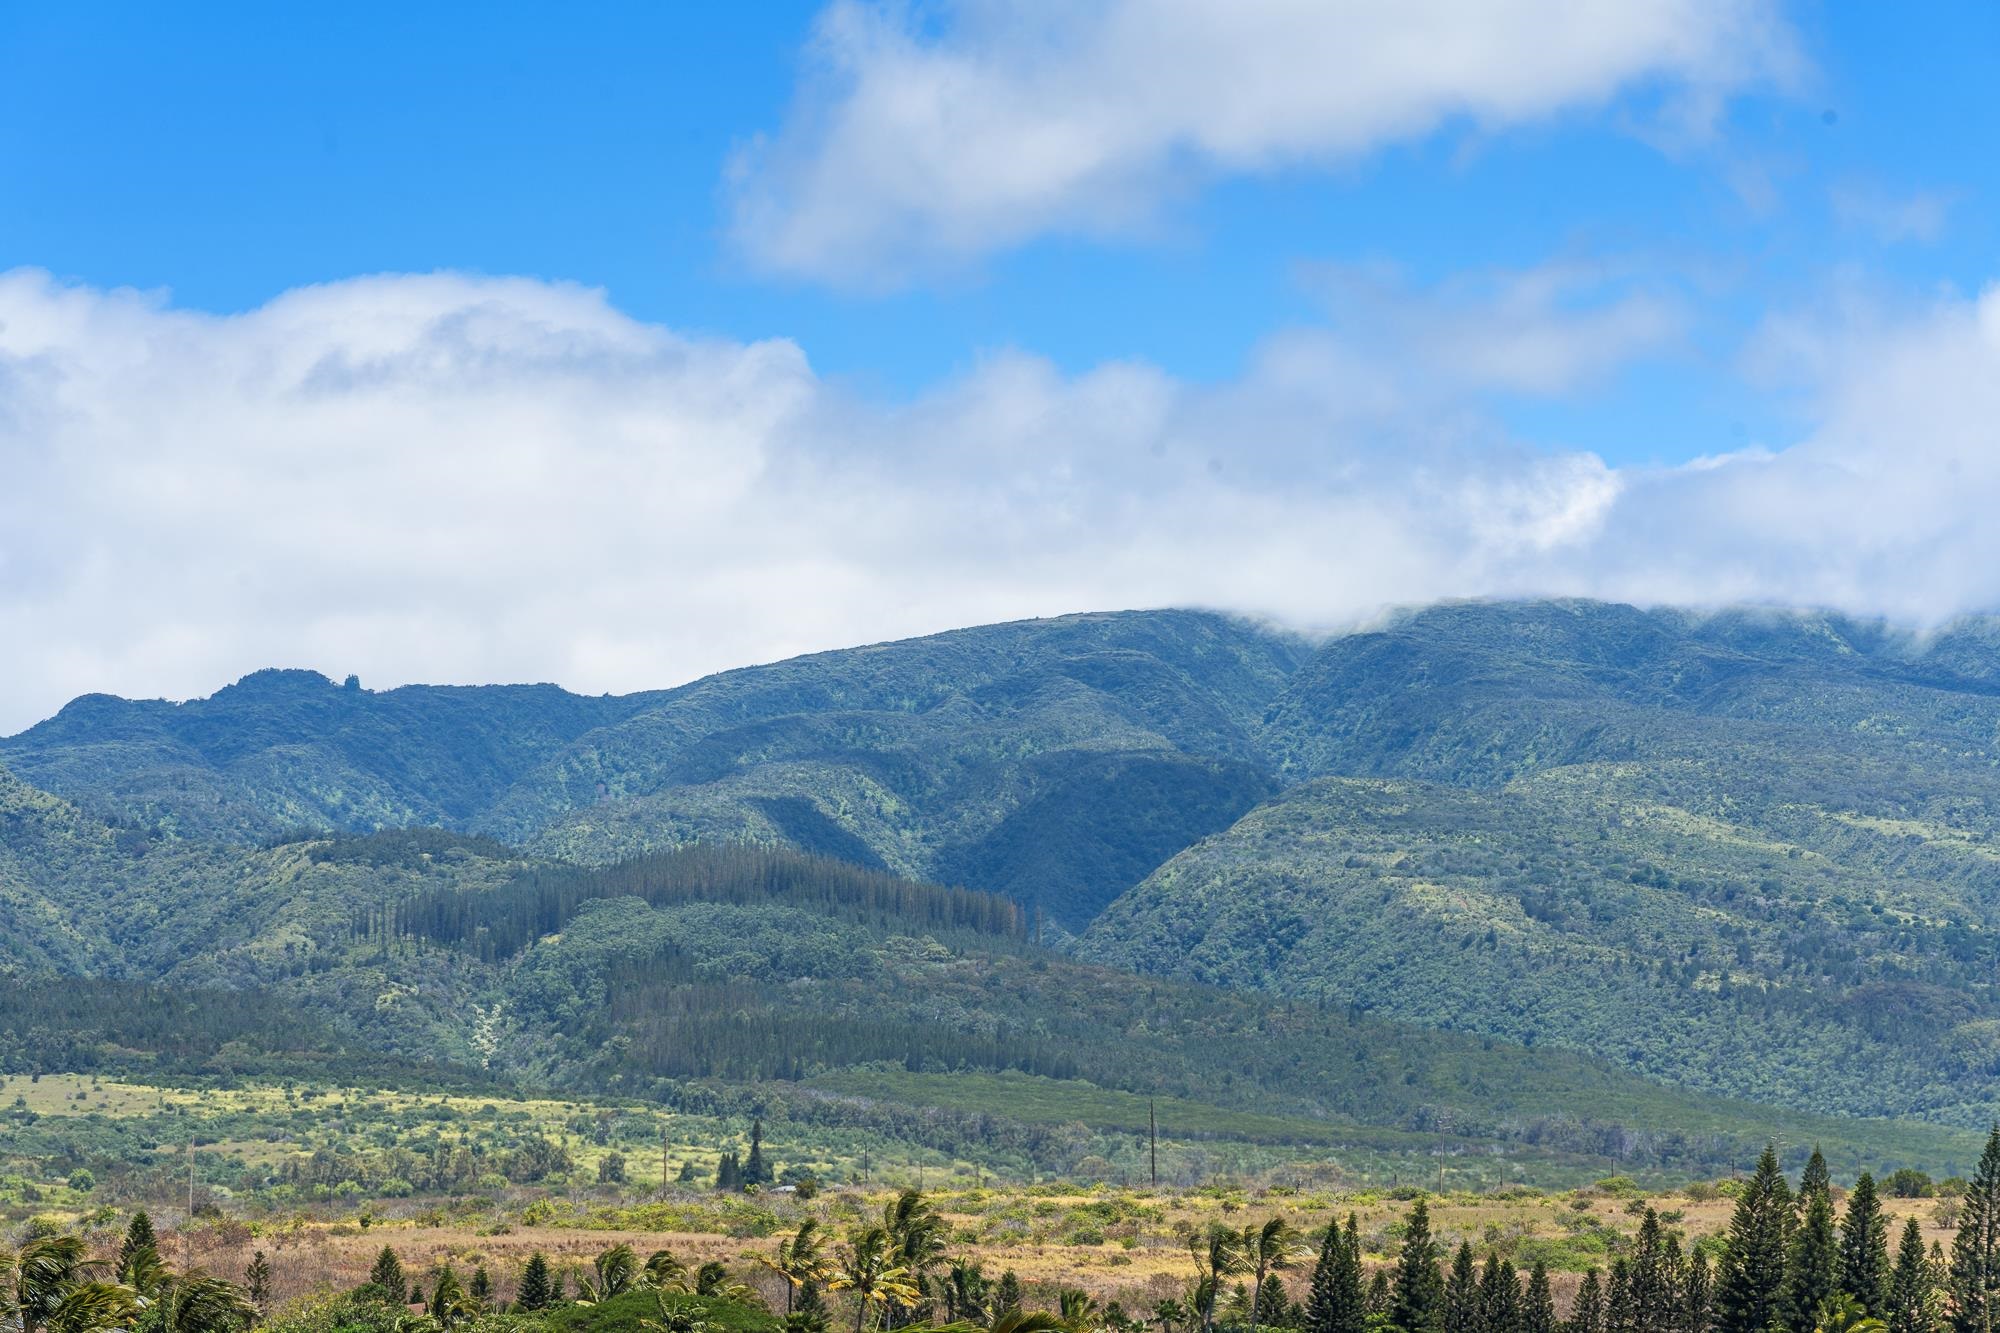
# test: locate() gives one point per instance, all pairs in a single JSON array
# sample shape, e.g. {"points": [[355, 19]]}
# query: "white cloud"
{"points": [[926, 137], [1893, 217], [455, 479], [1544, 330]]}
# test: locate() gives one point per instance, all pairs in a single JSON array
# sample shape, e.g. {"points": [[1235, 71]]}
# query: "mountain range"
{"points": [[1722, 868]]}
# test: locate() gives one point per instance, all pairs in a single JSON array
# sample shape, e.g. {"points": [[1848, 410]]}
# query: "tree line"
{"points": [[1790, 1263], [499, 923]]}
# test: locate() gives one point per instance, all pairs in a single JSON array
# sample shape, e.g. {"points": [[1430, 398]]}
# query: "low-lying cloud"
{"points": [[924, 137], [455, 479]]}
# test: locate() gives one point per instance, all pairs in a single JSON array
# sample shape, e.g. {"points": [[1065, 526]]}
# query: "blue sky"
{"points": [[612, 344], [230, 152]]}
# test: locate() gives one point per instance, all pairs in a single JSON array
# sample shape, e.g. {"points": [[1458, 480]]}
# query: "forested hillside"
{"points": [[683, 977], [1747, 854], [1057, 761]]}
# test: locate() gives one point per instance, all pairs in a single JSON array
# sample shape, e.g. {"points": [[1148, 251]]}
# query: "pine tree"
{"points": [[481, 1286], [1461, 1293], [537, 1291], [1974, 1281], [1864, 1248], [1912, 1286], [1812, 1269], [1697, 1295], [138, 1236], [728, 1172], [1499, 1297], [1380, 1296], [1271, 1304], [1752, 1277], [1007, 1293], [809, 1313], [1653, 1280], [257, 1280], [1619, 1316], [755, 1172], [1335, 1302], [1538, 1306], [1587, 1314], [1416, 1301], [388, 1275]]}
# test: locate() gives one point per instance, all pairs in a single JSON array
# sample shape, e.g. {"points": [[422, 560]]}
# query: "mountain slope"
{"points": [[1119, 738], [1748, 852]]}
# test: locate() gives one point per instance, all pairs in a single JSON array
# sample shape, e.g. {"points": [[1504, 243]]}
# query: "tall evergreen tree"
{"points": [[1864, 1248], [1335, 1302], [1619, 1316], [1812, 1268], [1974, 1281], [388, 1275], [1538, 1305], [481, 1286], [809, 1312], [1912, 1286], [1271, 1306], [1752, 1278], [538, 1289], [1652, 1278], [1499, 1297], [755, 1170], [1416, 1301], [1587, 1314], [1697, 1295], [1007, 1294], [1380, 1296], [257, 1281], [1461, 1293], [138, 1236]]}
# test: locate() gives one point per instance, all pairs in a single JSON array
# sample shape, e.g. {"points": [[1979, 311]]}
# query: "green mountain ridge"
{"points": [[1746, 852], [1751, 854], [936, 755]]}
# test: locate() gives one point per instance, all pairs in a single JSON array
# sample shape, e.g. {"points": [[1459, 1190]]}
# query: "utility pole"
{"points": [[1153, 1141], [187, 1227]]}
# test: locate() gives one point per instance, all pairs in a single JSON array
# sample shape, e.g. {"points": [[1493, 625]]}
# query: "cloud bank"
{"points": [[923, 138], [454, 479]]}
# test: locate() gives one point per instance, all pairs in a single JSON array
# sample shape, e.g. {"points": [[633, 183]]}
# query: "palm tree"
{"points": [[871, 1267], [801, 1260], [665, 1271], [1079, 1310], [918, 1232], [1218, 1253], [617, 1272], [450, 1302], [679, 1317], [194, 1302], [1271, 1248], [53, 1287], [1842, 1313], [1018, 1320]]}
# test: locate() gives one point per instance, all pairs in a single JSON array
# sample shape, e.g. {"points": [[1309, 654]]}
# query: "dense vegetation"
{"points": [[1747, 853], [1090, 746], [1793, 1259], [1744, 854]]}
